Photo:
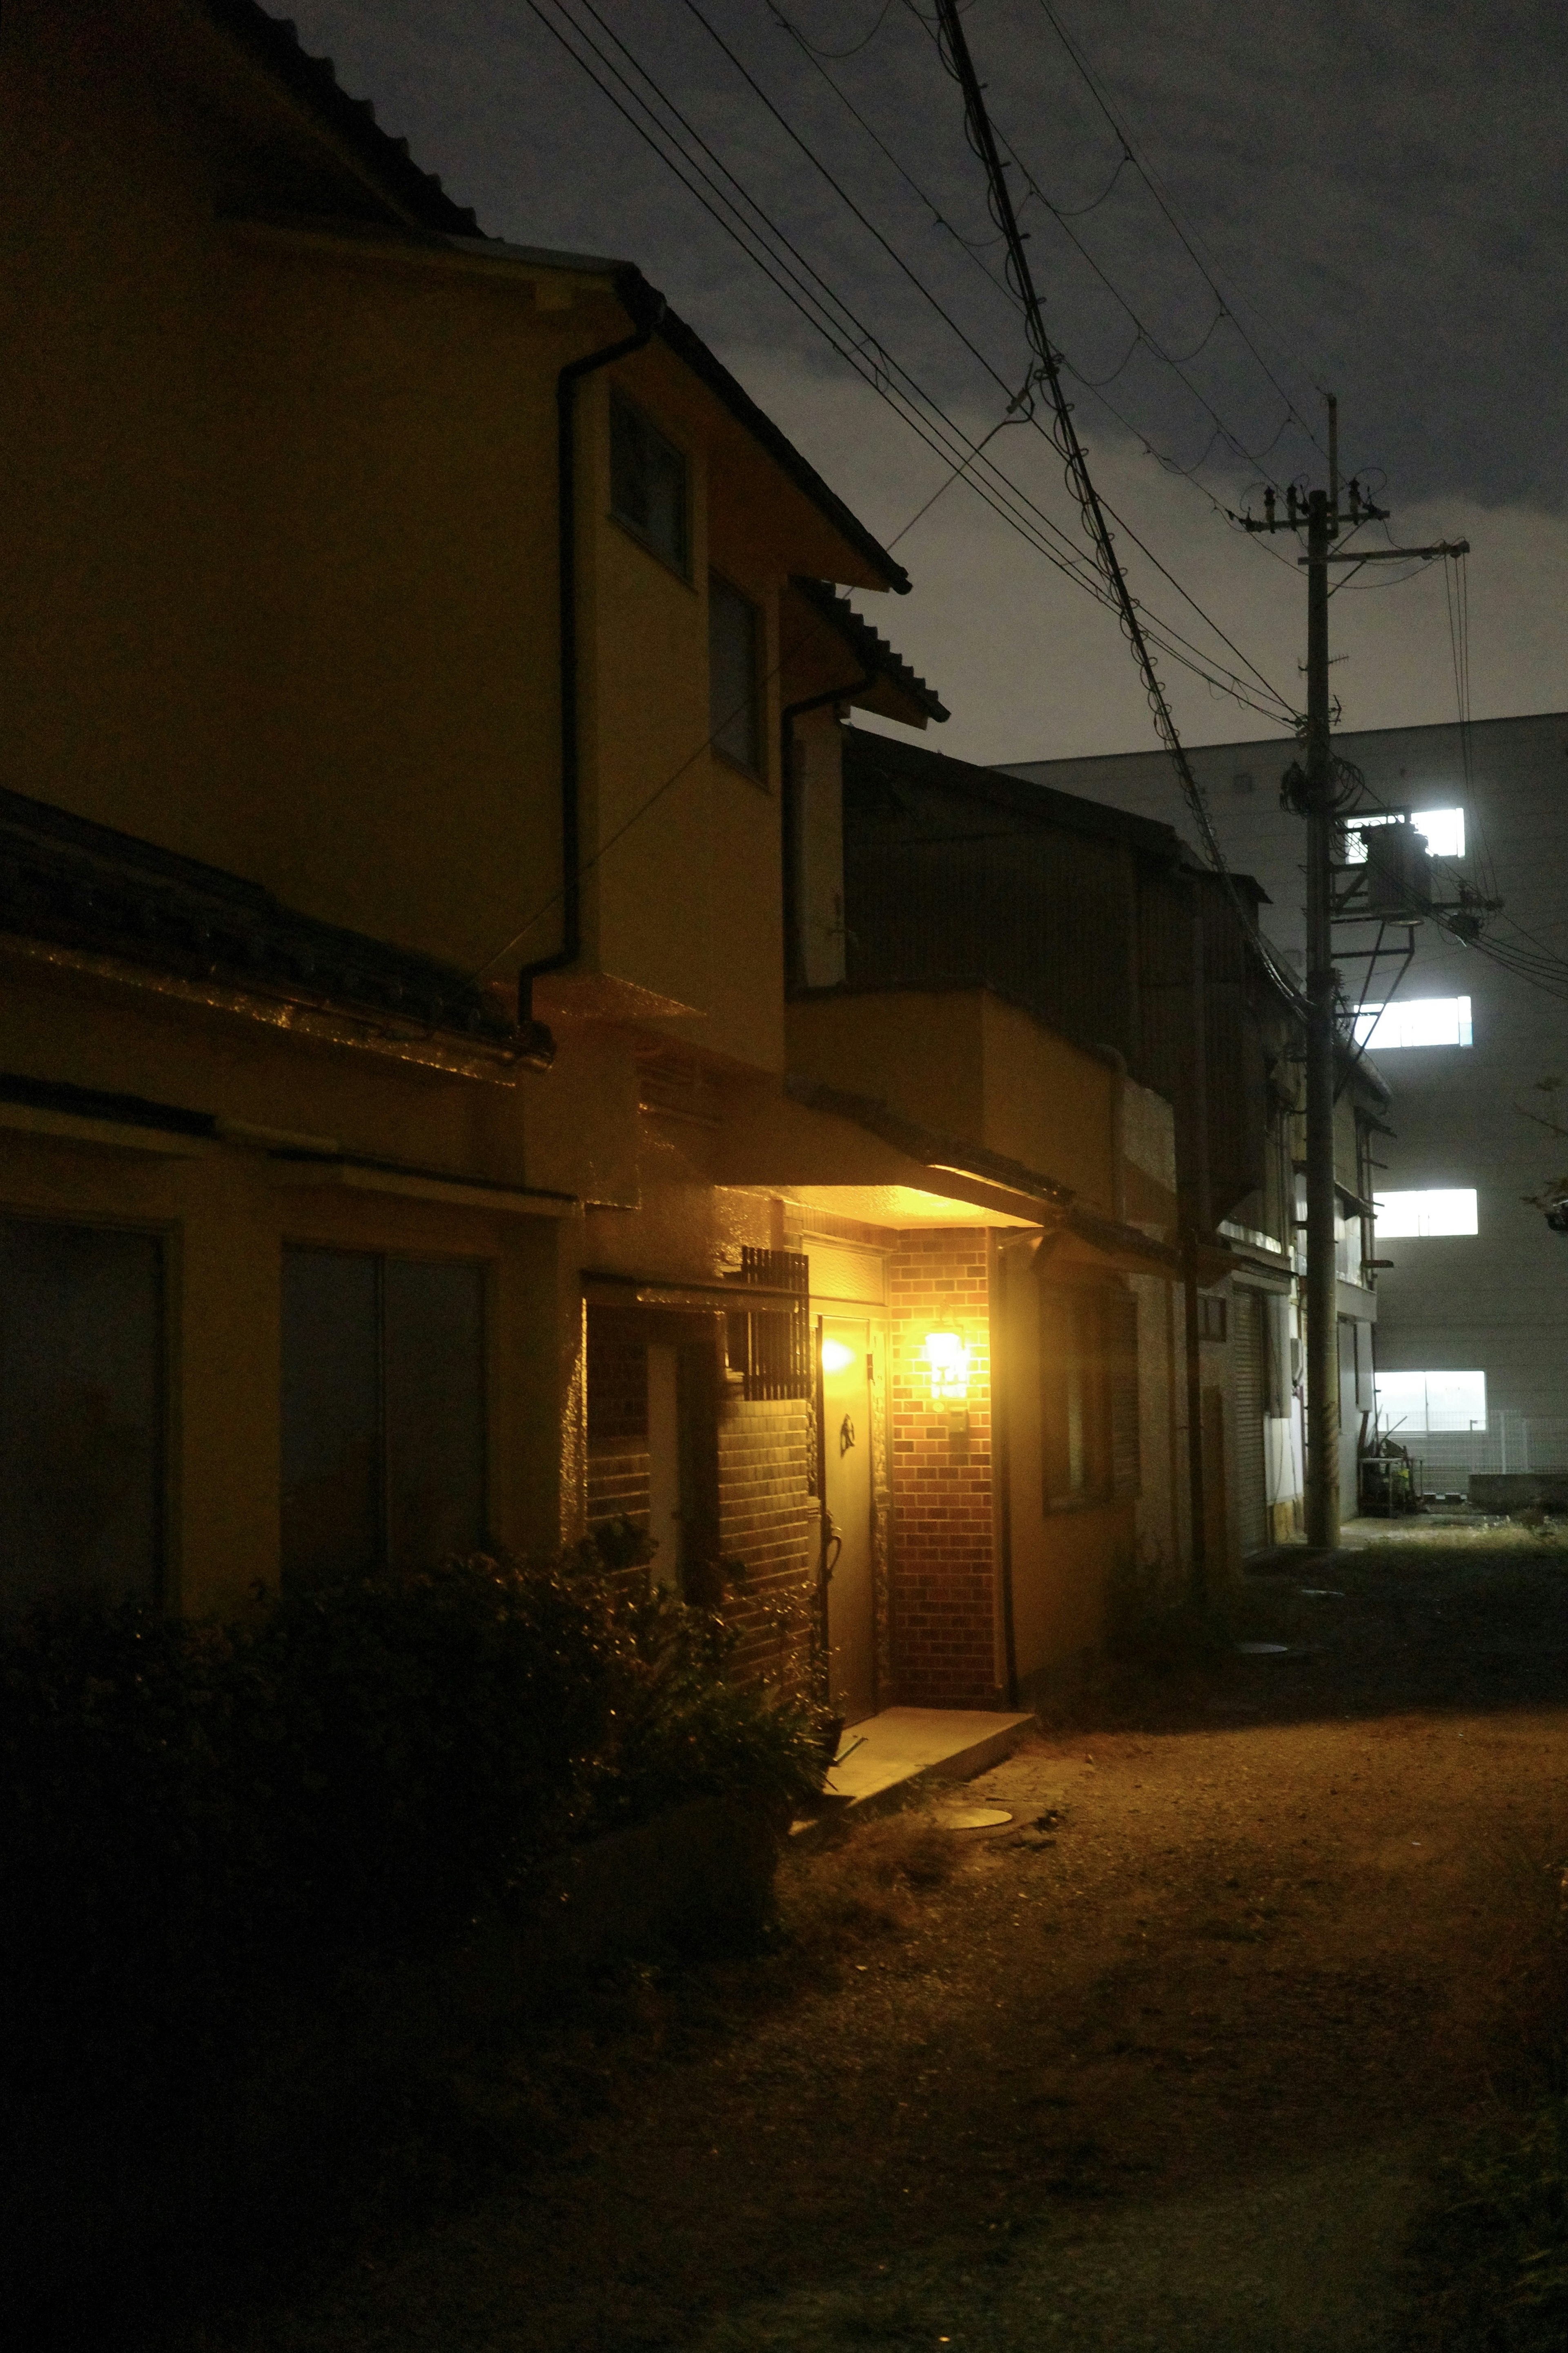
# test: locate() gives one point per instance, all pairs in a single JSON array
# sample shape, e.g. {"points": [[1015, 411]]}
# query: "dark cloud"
{"points": [[1376, 190], [1380, 189]]}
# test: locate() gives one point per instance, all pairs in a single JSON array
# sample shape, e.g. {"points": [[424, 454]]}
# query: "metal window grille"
{"points": [[770, 1345], [1121, 1382]]}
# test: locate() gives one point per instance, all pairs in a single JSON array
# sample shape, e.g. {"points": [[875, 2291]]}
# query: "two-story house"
{"points": [[423, 669]]}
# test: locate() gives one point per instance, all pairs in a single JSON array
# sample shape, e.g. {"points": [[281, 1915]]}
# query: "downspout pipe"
{"points": [[789, 804], [566, 384]]}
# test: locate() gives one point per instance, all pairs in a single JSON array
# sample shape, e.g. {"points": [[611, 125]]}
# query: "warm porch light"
{"points": [[949, 1360], [836, 1356]]}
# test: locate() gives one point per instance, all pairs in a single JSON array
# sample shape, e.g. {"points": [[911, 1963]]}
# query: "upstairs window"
{"points": [[1413, 1217], [734, 683], [1415, 1021], [648, 484]]}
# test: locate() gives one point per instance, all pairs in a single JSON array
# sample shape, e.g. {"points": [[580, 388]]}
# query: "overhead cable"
{"points": [[855, 343]]}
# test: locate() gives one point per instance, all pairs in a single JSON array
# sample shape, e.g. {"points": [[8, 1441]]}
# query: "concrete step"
{"points": [[880, 1759]]}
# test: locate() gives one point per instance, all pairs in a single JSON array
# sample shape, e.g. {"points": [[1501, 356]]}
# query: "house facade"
{"points": [[1101, 922], [1467, 1148], [422, 861]]}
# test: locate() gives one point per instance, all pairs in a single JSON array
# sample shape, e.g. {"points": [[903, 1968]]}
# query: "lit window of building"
{"points": [[1402, 1216], [1414, 1021], [1414, 1403]]}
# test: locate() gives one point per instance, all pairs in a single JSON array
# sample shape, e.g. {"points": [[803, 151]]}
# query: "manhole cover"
{"points": [[971, 1818], [1262, 1650]]}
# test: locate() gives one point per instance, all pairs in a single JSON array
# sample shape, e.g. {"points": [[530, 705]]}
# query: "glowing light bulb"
{"points": [[949, 1360]]}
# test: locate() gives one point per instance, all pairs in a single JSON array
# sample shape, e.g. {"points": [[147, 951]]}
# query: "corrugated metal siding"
{"points": [[1246, 1368]]}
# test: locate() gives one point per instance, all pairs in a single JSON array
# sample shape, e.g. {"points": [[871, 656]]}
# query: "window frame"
{"points": [[1391, 1231], [1369, 1017], [679, 568], [758, 772], [166, 1582], [314, 1246], [1101, 1362]]}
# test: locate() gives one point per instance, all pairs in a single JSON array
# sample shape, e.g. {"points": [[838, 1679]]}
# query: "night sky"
{"points": [[1376, 193]]}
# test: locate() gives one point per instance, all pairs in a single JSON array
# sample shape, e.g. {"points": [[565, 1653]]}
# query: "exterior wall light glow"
{"points": [[836, 1356], [949, 1361]]}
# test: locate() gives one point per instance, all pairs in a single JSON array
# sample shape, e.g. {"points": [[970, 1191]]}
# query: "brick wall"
{"points": [[767, 1515], [769, 1519], [943, 1578]]}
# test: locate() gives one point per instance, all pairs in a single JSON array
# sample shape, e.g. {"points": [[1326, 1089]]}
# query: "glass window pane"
{"points": [[1414, 1021], [666, 495], [1421, 1216], [732, 674], [434, 1412], [80, 1399], [331, 1416], [1414, 1403], [648, 482], [628, 488]]}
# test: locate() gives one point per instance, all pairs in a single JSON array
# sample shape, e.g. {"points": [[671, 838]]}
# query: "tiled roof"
{"points": [[82, 886], [872, 649], [274, 42], [421, 199], [882, 759]]}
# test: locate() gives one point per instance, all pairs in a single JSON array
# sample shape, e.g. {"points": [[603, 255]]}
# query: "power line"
{"points": [[969, 248], [916, 407], [1250, 456], [918, 283], [1147, 176], [957, 57]]}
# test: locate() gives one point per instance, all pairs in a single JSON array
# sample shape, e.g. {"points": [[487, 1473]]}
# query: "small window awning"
{"points": [[1086, 1238], [608, 1287]]}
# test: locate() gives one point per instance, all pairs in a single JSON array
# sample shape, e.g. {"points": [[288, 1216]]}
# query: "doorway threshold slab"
{"points": [[903, 1744]]}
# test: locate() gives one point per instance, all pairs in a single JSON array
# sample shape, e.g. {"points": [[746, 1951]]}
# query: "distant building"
{"points": [[1472, 1298]]}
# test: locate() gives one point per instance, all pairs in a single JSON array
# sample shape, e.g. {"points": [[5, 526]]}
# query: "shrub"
{"points": [[186, 1808], [685, 1727], [418, 1744]]}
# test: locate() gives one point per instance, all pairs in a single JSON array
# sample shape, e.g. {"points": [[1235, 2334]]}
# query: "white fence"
{"points": [[1510, 1441]]}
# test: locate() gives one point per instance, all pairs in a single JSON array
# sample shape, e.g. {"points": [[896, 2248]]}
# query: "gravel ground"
{"points": [[1164, 2063]]}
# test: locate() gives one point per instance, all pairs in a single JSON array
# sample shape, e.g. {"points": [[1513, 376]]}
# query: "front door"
{"points": [[847, 1499], [664, 1463]]}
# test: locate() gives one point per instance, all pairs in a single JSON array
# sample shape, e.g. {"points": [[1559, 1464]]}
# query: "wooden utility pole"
{"points": [[1320, 798], [1322, 989]]}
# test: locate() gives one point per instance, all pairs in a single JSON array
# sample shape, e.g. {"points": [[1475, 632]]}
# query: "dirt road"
{"points": [[1164, 2063]]}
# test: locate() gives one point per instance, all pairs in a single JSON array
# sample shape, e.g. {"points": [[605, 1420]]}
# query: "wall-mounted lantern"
{"points": [[947, 1360]]}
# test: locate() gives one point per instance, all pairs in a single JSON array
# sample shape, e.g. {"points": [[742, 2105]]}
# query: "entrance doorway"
{"points": [[849, 1553], [683, 1467]]}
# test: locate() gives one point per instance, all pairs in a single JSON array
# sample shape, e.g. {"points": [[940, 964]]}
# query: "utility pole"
{"points": [[1322, 988], [1319, 516], [1319, 800]]}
